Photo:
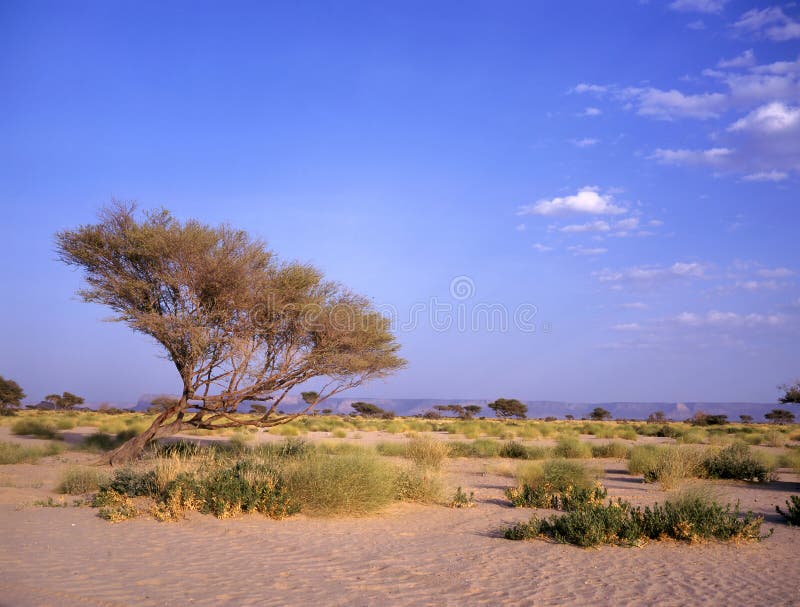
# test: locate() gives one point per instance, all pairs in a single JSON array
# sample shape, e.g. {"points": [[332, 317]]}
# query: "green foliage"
{"points": [[427, 452], [12, 453], [509, 407], [556, 483], [613, 449], [792, 512], [413, 484], [547, 496], [690, 518], [11, 394], [67, 400], [571, 447], [736, 462], [513, 449], [600, 414], [100, 441], [667, 464], [462, 500], [114, 507], [481, 447], [81, 480], [780, 416]]}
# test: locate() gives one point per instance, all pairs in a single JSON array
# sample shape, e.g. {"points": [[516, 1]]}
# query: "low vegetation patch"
{"points": [[571, 447], [690, 518], [462, 500], [12, 453], [736, 461], [81, 480], [29, 426], [792, 512], [557, 483]]}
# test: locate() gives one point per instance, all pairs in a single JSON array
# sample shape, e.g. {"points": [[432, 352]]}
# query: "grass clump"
{"points": [[35, 427], [413, 484], [690, 518], [556, 483], [427, 452], [114, 507], [667, 465], [462, 500], [12, 453], [613, 449], [81, 480], [792, 512], [572, 448]]}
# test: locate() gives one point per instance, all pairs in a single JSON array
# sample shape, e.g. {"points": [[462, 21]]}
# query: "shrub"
{"points": [[12, 453], [642, 457], [689, 518], [792, 512], [571, 447], [427, 452], [35, 427], [693, 436], [339, 433], [513, 449], [392, 448], [415, 485], [613, 449], [462, 500], [558, 473], [736, 462], [114, 507], [79, 481], [666, 465], [547, 496], [791, 459], [481, 447]]}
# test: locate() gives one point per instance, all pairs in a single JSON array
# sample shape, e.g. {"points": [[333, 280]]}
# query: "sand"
{"points": [[407, 555]]}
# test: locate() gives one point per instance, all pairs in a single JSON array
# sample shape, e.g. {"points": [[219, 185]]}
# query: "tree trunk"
{"points": [[133, 448]]}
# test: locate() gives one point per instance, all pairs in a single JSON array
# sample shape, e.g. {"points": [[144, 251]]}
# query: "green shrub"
{"points": [[513, 449], [736, 462], [558, 473], [613, 449], [792, 512], [392, 448], [547, 496], [641, 458], [689, 518], [81, 480], [35, 427], [114, 507], [462, 500], [12, 453], [413, 484], [693, 436], [570, 447], [481, 447], [790, 459], [427, 452]]}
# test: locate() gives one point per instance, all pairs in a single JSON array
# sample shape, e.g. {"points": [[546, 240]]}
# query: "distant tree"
{"points": [[162, 403], [258, 409], [509, 407], [599, 414], [238, 324], [746, 419], [66, 400], [11, 394], [569, 417], [370, 410], [780, 416], [327, 411], [431, 414], [656, 417], [791, 394], [310, 397], [471, 411], [705, 419]]}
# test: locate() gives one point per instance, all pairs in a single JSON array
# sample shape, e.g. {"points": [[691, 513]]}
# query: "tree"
{"points": [[471, 411], [67, 400], [599, 414], [746, 419], [656, 417], [370, 410], [791, 394], [569, 417], [509, 407], [11, 394], [780, 416], [238, 324]]}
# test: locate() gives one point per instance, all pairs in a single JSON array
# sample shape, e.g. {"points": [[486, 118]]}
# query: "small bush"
{"points": [[736, 462], [481, 447], [79, 481], [462, 500], [613, 449], [413, 484], [572, 448], [34, 427], [547, 496], [792, 512], [427, 452], [513, 449], [339, 433], [12, 453], [114, 507]]}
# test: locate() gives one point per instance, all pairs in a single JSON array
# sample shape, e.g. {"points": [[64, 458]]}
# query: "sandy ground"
{"points": [[407, 555]]}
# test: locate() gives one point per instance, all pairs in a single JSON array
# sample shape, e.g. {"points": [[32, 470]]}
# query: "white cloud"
{"points": [[521, 227], [766, 176], [587, 201], [775, 272], [757, 285], [713, 156], [746, 59], [770, 23], [770, 118], [592, 111], [592, 226], [630, 223], [586, 142], [634, 305], [696, 25], [579, 250], [698, 6], [541, 248], [655, 223], [584, 87], [668, 105], [629, 326]]}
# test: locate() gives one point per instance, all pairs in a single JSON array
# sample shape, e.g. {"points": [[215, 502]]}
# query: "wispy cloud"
{"points": [[698, 6], [587, 251], [715, 318], [541, 248], [746, 59], [771, 23], [591, 111], [766, 176], [713, 156], [586, 142], [652, 275]]}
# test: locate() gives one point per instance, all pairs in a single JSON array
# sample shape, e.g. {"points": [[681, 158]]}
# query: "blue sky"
{"points": [[628, 170]]}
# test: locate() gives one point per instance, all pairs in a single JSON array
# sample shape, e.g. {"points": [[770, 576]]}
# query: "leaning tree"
{"points": [[11, 394], [238, 324]]}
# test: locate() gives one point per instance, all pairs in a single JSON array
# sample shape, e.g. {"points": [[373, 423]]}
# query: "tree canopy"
{"points": [[11, 394], [791, 394], [600, 414], [237, 323], [66, 400], [509, 407], [780, 416]]}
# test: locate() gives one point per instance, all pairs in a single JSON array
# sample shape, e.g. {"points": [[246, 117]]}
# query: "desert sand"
{"points": [[407, 555]]}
